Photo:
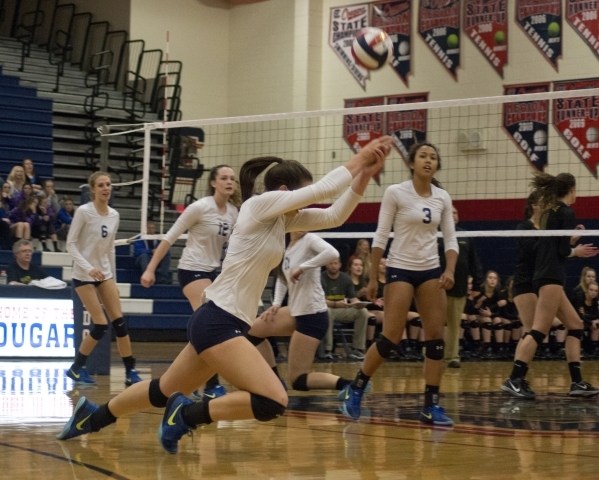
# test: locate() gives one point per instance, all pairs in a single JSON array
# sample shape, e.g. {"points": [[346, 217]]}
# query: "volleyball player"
{"points": [[91, 244], [209, 222], [414, 209], [216, 331], [306, 317], [539, 282]]}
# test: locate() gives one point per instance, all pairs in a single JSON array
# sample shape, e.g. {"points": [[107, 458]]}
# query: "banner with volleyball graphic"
{"points": [[485, 23], [360, 129], [577, 120], [542, 23], [407, 127], [439, 27], [345, 23], [527, 123], [583, 17], [395, 18]]}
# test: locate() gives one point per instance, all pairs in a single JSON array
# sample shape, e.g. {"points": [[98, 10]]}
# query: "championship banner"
{"points": [[485, 23], [577, 120], [407, 127], [345, 23], [439, 27], [583, 16], [359, 129], [527, 122], [395, 18], [542, 22]]}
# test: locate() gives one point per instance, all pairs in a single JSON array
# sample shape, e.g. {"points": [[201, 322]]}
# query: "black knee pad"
{"points": [[474, 324], [264, 408], [157, 398], [415, 322], [372, 321], [577, 333], [464, 324], [384, 346], [255, 341], [487, 326], [516, 324], [561, 326], [98, 331], [434, 349], [120, 327], [537, 336], [301, 383]]}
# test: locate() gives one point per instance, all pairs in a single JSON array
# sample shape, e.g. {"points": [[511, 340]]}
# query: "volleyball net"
{"points": [[489, 147]]}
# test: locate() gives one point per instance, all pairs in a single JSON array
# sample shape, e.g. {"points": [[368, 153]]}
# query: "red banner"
{"points": [[407, 127], [577, 120], [439, 27], [583, 16], [542, 22], [359, 129], [395, 18], [485, 23], [527, 123]]}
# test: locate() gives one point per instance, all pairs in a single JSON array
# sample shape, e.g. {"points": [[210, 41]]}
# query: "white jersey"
{"points": [[258, 240], [208, 233], [306, 296], [90, 242], [415, 221]]}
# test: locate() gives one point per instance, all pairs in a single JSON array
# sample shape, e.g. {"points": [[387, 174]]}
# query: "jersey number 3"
{"points": [[427, 215]]}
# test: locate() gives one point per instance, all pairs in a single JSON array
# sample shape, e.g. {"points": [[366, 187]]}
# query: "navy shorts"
{"points": [[523, 288], [413, 277], [314, 325], [210, 325], [80, 283], [541, 282], [185, 277]]}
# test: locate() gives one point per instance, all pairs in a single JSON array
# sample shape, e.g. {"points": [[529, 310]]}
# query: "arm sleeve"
{"points": [[280, 291], [385, 221], [568, 223], [448, 226], [325, 253], [72, 237], [190, 216]]}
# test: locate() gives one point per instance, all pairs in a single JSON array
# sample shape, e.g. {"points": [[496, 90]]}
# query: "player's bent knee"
{"points": [[264, 408], [434, 349], [157, 398], [537, 336], [301, 383], [120, 327], [384, 346], [98, 331]]}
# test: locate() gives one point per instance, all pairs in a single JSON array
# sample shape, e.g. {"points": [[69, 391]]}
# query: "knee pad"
{"points": [[434, 349], [120, 327], [264, 408], [577, 333], [157, 398], [516, 324], [384, 346], [561, 326], [301, 383], [255, 341], [464, 324], [372, 321], [415, 322], [98, 331], [474, 324], [537, 336], [488, 326]]}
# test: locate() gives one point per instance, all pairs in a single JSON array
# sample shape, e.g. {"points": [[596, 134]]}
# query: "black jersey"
{"points": [[552, 252], [525, 265]]}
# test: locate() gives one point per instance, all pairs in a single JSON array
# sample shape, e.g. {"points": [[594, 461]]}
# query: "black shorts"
{"points": [[413, 277], [541, 282], [185, 277], [80, 283], [522, 288], [314, 325], [210, 325]]}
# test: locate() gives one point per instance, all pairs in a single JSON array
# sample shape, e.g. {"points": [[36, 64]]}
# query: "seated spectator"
{"points": [[486, 305], [50, 193], [43, 228], [31, 177], [362, 252], [588, 310], [21, 271], [588, 275], [64, 217], [22, 218], [5, 241], [143, 251], [355, 270], [509, 325], [16, 180], [340, 296]]}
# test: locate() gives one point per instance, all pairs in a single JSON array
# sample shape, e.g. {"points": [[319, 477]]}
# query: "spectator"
{"points": [[50, 194], [486, 306], [16, 180], [21, 271], [588, 310], [64, 218], [22, 218], [43, 228], [355, 270], [362, 252], [587, 276], [340, 295], [5, 241], [143, 250], [31, 177]]}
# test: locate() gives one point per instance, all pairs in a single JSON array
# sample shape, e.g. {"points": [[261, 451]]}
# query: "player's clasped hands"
{"points": [[374, 154]]}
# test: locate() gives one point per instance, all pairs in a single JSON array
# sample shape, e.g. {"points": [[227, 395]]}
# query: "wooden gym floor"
{"points": [[495, 436]]}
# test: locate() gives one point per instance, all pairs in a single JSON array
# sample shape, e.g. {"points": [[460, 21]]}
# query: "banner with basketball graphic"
{"points": [[577, 120], [359, 129], [345, 23], [407, 127], [541, 21], [527, 123], [439, 27], [583, 16], [485, 23], [395, 18]]}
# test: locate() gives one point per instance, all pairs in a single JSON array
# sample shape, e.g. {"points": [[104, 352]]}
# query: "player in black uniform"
{"points": [[547, 273]]}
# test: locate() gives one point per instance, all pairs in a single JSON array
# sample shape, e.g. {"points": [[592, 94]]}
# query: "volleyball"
{"points": [[372, 48]]}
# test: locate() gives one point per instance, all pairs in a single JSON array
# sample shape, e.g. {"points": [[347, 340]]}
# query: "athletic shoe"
{"points": [[435, 415], [518, 388], [172, 427], [328, 356], [79, 423], [367, 389], [356, 355], [132, 377], [583, 389], [351, 398], [453, 364], [80, 376], [214, 392]]}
